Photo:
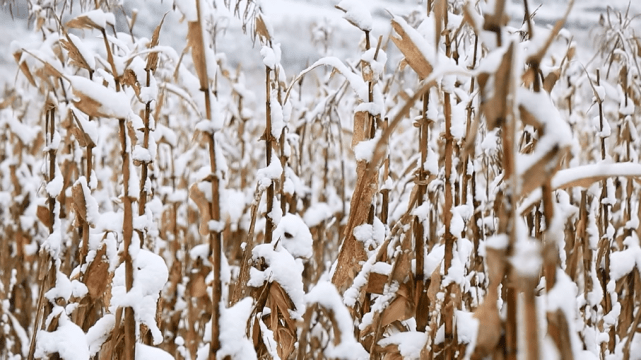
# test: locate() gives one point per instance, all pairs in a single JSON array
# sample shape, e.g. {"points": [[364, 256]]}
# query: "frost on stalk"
{"points": [[294, 235], [272, 172], [356, 82], [68, 340], [99, 333], [233, 339], [356, 13], [146, 352], [325, 295], [407, 344], [150, 276], [279, 276], [271, 56], [281, 268]]}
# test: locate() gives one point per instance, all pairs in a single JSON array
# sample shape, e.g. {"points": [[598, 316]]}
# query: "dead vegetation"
{"points": [[475, 197]]}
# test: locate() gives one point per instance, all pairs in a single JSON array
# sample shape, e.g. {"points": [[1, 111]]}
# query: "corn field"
{"points": [[460, 186]]}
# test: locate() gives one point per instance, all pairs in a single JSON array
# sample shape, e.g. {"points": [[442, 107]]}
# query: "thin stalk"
{"points": [[447, 210], [127, 233], [269, 226], [142, 198], [419, 230]]}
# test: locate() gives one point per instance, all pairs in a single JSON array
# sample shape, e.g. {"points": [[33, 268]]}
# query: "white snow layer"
{"points": [[294, 235], [326, 295]]}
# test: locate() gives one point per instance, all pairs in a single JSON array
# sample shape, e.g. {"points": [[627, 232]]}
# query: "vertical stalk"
{"points": [[269, 226], [447, 210], [46, 270], [127, 233], [605, 272], [142, 198], [422, 317]]}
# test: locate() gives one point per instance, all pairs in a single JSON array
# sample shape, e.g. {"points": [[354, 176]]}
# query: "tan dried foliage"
{"points": [[490, 327], [17, 55], [198, 196], [260, 29], [98, 278], [44, 216], [75, 56], [494, 99], [83, 22], [413, 55], [196, 44], [79, 132], [152, 60]]}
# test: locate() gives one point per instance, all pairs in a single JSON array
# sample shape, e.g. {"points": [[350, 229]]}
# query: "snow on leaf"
{"points": [[98, 101]]}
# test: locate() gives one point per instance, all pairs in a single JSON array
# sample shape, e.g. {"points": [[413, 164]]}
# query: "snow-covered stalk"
{"points": [[507, 215], [450, 239], [418, 226], [127, 232], [199, 51], [269, 141], [352, 251], [606, 240], [47, 269]]}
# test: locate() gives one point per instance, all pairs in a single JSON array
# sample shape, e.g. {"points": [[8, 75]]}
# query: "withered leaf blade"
{"points": [[410, 50], [495, 108], [79, 132], [94, 19], [24, 67], [261, 29], [79, 202], [98, 276], [203, 207], [43, 215], [83, 22], [152, 59], [75, 55], [538, 56], [360, 120], [195, 42]]}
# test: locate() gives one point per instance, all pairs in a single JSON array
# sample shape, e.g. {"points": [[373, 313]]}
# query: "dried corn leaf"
{"points": [[494, 103], [536, 57], [48, 70], [7, 101], [376, 283], [401, 308], [196, 42], [405, 41], [98, 101], [98, 276], [152, 59], [129, 78], [79, 202], [544, 168], [352, 253], [17, 55], [487, 313], [198, 196], [76, 56], [95, 19], [197, 286], [355, 15], [360, 121], [489, 333], [44, 216], [79, 132], [261, 30], [551, 79], [495, 20]]}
